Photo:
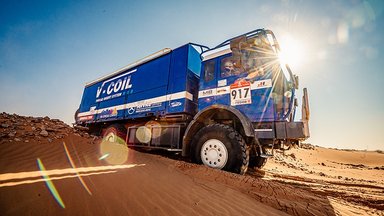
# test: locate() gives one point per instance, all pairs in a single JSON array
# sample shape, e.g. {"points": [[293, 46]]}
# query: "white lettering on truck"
{"points": [[119, 85]]}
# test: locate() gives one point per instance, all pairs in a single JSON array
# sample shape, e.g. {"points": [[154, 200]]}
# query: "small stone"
{"points": [[12, 134], [49, 140], [37, 120], [44, 133], [86, 135], [27, 141], [50, 129], [60, 126], [17, 139], [322, 164], [33, 128], [322, 174], [4, 125]]}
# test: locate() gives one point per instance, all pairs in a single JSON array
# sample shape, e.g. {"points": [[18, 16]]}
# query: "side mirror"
{"points": [[305, 113]]}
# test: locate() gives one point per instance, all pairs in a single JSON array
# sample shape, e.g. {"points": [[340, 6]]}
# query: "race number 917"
{"points": [[240, 96]]}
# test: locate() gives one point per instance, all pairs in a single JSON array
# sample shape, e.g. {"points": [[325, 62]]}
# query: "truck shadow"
{"points": [[161, 152], [292, 198]]}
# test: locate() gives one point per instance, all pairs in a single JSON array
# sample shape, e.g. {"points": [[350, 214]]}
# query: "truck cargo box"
{"points": [[161, 84]]}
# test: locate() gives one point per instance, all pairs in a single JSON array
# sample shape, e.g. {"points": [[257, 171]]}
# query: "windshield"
{"points": [[258, 57]]}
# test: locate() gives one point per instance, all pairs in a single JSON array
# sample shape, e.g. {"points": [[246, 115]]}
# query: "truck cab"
{"points": [[243, 85]]}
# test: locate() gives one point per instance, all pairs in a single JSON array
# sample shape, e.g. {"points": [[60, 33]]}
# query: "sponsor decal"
{"points": [[240, 83], [86, 118], [260, 84], [222, 90], [131, 110], [207, 92], [106, 113], [175, 104], [221, 83], [143, 104], [147, 107], [240, 93]]}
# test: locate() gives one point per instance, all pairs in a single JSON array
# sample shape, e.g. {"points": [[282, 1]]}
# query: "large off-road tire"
{"points": [[76, 113], [220, 146], [255, 161], [115, 133]]}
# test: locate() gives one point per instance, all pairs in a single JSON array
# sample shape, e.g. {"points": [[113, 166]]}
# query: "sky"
{"points": [[50, 49]]}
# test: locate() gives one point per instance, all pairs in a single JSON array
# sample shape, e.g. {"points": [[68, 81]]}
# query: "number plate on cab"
{"points": [[240, 93]]}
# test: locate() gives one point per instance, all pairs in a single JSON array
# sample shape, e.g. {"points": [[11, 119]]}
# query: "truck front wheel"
{"points": [[220, 146]]}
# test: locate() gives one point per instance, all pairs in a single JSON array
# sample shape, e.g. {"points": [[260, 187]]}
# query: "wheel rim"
{"points": [[214, 154], [111, 137]]}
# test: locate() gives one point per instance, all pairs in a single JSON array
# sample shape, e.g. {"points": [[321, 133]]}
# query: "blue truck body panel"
{"points": [[165, 85]]}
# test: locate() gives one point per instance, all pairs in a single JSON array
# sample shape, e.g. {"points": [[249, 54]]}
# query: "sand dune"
{"points": [[77, 174]]}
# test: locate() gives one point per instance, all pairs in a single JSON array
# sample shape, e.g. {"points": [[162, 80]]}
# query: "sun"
{"points": [[291, 52]]}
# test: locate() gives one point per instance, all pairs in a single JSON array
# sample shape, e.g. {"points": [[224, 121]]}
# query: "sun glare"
{"points": [[291, 52]]}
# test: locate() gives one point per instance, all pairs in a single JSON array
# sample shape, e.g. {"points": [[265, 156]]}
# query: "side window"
{"points": [[229, 67], [209, 71]]}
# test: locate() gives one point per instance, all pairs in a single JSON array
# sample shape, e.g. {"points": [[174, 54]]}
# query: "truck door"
{"points": [[240, 87], [207, 89], [228, 74]]}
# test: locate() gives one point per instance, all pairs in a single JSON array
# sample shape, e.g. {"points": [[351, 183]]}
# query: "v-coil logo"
{"points": [[120, 84], [114, 85]]}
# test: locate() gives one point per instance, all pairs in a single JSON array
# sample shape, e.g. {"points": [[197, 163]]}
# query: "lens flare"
{"points": [[291, 52], [73, 166], [50, 184], [114, 152], [155, 127], [13, 179], [143, 134], [104, 156]]}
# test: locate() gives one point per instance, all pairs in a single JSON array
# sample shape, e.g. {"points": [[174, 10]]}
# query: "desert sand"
{"points": [[49, 168]]}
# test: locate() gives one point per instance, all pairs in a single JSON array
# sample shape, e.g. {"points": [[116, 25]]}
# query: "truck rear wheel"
{"points": [[220, 146], [115, 133], [76, 113]]}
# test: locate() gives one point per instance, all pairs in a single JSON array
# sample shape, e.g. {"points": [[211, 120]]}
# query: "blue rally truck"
{"points": [[227, 107]]}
